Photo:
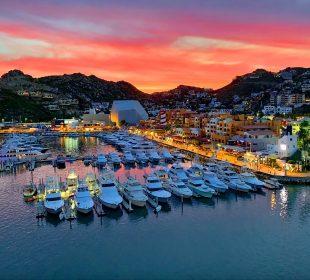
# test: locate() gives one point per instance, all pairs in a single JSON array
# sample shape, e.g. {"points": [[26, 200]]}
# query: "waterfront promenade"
{"points": [[225, 156]]}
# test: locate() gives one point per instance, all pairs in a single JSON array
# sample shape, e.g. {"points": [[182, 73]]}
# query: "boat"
{"points": [[83, 200], [133, 192], [234, 182], [166, 155], [210, 166], [141, 157], [109, 195], [53, 202], [87, 160], [72, 182], [179, 188], [273, 184], [177, 171], [154, 156], [194, 169], [101, 160], [154, 189], [29, 192], [114, 158], [162, 173], [251, 180], [91, 181], [198, 186], [128, 158], [60, 161], [214, 182], [70, 158]]}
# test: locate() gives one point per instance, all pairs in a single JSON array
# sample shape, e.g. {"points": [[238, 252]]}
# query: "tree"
{"points": [[303, 135]]}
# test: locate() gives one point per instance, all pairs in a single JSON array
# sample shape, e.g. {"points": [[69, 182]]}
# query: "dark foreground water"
{"points": [[262, 236]]}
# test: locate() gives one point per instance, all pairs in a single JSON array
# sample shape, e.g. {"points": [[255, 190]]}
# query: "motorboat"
{"points": [[162, 173], [273, 184], [60, 161], [234, 182], [141, 157], [128, 158], [177, 171], [194, 169], [109, 195], [133, 192], [214, 182], [251, 180], [114, 158], [178, 156], [210, 166], [87, 160], [154, 189], [198, 186], [179, 188], [72, 182], [53, 202], [166, 155], [101, 160], [83, 200], [91, 181], [154, 156]]}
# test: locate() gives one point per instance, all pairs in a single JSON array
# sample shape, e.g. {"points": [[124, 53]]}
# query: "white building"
{"points": [[271, 110], [129, 111]]}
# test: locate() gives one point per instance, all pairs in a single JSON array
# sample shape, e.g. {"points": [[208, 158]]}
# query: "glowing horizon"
{"points": [[154, 46]]}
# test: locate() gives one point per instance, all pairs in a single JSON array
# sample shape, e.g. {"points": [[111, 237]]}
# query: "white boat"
{"points": [[72, 182], [101, 160], [251, 180], [83, 200], [214, 182], [154, 189], [198, 186], [166, 155], [179, 188], [114, 158], [234, 182], [91, 181], [273, 184], [154, 156], [133, 191], [141, 157], [128, 158], [162, 173], [53, 202], [109, 195], [210, 166], [177, 171], [195, 169]]}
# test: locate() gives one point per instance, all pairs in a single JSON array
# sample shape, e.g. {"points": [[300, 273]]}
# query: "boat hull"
{"points": [[53, 211], [84, 210], [159, 199]]}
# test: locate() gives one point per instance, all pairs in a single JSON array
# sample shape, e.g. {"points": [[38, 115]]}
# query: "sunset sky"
{"points": [[155, 45]]}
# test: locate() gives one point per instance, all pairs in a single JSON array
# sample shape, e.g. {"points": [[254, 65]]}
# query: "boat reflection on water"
{"points": [[85, 219], [53, 220], [273, 200], [138, 214]]}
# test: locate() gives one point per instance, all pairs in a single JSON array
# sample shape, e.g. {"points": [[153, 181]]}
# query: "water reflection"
{"points": [[85, 219], [283, 202]]}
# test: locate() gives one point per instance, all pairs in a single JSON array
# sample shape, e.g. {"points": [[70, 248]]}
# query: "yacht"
{"points": [[101, 160], [210, 166], [198, 186], [109, 195], [233, 181], [251, 180], [53, 202], [162, 173], [133, 191], [154, 156], [72, 182], [141, 157], [128, 158], [114, 158], [273, 184], [179, 188], [83, 200], [154, 189], [194, 169], [177, 171], [166, 155], [91, 181], [214, 182]]}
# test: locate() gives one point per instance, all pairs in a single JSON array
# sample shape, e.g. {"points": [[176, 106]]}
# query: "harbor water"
{"points": [[251, 236]]}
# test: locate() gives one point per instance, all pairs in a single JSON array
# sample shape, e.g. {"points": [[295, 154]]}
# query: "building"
{"points": [[96, 119], [272, 110], [128, 111]]}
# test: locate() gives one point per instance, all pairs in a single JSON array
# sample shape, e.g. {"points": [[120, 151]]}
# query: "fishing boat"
{"points": [[83, 200], [154, 189], [133, 192]]}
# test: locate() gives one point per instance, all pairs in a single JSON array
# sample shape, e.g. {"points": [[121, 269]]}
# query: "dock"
{"points": [[68, 211], [154, 204], [98, 207], [41, 212]]}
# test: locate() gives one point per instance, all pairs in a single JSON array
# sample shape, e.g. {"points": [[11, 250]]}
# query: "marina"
{"points": [[218, 216]]}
